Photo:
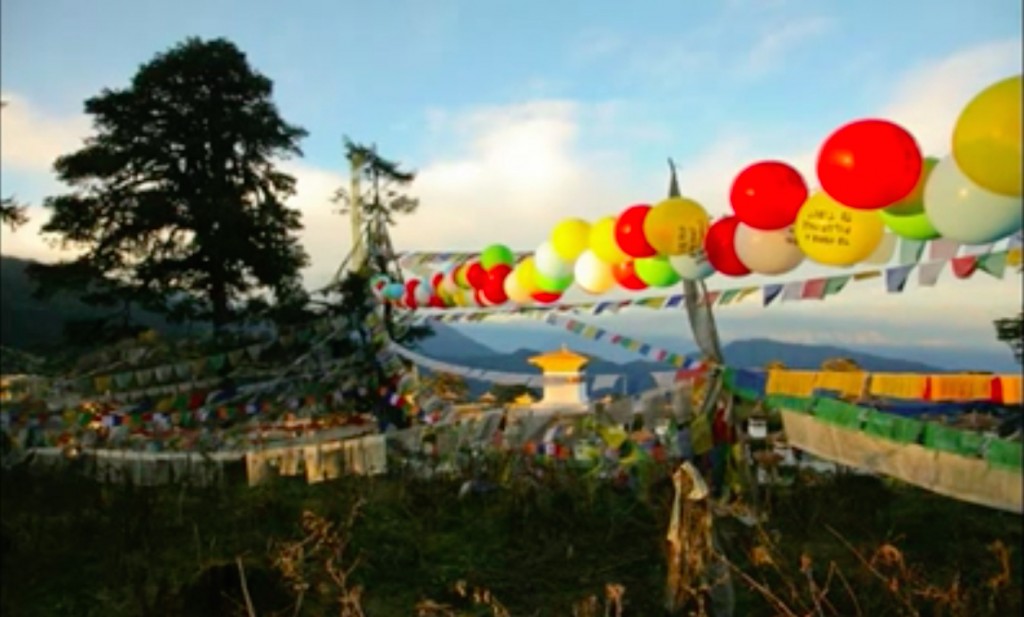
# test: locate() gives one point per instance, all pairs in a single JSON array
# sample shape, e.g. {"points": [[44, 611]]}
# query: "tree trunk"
{"points": [[219, 300]]}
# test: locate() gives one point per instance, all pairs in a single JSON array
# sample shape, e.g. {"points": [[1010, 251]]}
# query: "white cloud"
{"points": [[326, 234], [27, 242], [521, 171], [31, 140], [520, 168], [929, 99]]}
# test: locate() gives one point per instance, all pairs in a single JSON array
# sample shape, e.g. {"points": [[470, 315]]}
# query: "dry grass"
{"points": [[318, 562], [551, 542]]}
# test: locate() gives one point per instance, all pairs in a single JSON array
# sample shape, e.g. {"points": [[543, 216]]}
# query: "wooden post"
{"points": [[358, 259]]}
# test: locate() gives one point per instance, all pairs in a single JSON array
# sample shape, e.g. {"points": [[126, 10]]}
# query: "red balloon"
{"points": [[479, 298], [869, 164], [410, 293], [546, 297], [499, 271], [476, 276], [767, 195], [720, 247], [435, 279], [494, 291], [436, 302], [494, 288], [625, 275], [629, 232]]}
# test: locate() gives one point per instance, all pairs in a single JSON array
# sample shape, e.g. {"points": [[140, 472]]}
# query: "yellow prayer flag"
{"points": [[864, 276], [1013, 257], [907, 386]]}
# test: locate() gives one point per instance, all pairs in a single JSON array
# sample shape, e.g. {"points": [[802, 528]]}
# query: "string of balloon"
{"points": [[871, 177]]}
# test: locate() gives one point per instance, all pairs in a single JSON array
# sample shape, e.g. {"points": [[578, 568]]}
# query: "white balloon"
{"points": [[694, 267], [422, 292], [768, 252], [549, 264], [961, 210], [515, 293], [592, 274]]}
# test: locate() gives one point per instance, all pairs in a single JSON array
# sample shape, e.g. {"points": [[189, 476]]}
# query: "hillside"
{"points": [[34, 325], [31, 325], [756, 353], [450, 345]]}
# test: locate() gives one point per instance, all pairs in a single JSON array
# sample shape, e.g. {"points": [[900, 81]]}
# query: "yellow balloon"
{"points": [[570, 238], [526, 275], [462, 298], [987, 138], [676, 226], [832, 234], [602, 242]]}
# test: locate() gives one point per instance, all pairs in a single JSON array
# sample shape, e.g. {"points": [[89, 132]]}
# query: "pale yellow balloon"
{"points": [[676, 226], [767, 252], [515, 292], [462, 298], [987, 138], [593, 275], [832, 234], [570, 238], [602, 242]]}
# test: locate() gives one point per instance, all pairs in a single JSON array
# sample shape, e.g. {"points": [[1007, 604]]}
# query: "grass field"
{"points": [[539, 545]]}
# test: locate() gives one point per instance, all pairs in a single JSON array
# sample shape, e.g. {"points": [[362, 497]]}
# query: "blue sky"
{"points": [[520, 113]]}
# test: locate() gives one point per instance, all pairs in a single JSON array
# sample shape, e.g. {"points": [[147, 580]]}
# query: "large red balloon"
{"points": [[720, 247], [476, 276], [625, 275], [767, 195], [546, 297], [629, 232], [494, 289], [869, 164]]}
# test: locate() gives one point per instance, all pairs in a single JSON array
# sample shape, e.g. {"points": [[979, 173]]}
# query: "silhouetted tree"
{"points": [[177, 194], [12, 213], [841, 365]]}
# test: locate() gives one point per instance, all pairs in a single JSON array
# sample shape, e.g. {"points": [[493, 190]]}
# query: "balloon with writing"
{"points": [[832, 234]]}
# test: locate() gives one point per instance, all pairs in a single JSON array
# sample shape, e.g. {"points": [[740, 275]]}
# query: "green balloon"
{"points": [[552, 285], [906, 218], [656, 271], [496, 254], [911, 223]]}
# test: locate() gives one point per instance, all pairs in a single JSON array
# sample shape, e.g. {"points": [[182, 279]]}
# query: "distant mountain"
{"points": [[37, 325], [30, 325], [756, 353], [450, 345]]}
